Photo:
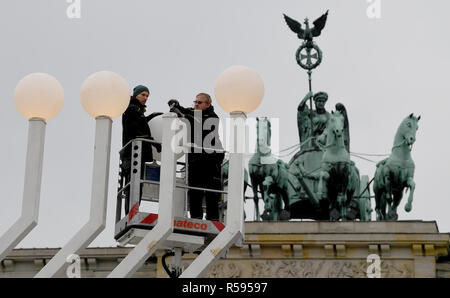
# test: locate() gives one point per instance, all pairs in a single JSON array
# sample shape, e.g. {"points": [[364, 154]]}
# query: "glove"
{"points": [[176, 111], [157, 147], [173, 103]]}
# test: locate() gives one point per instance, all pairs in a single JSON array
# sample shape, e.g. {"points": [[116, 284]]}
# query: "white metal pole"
{"points": [[32, 189], [234, 229], [99, 195], [164, 227]]}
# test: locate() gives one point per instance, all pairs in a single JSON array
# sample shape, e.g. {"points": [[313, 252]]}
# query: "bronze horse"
{"points": [[257, 168], [396, 172], [339, 178]]}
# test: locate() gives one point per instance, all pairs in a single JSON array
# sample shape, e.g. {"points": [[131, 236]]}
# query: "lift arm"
{"points": [[99, 197], [164, 227], [32, 189], [234, 230]]}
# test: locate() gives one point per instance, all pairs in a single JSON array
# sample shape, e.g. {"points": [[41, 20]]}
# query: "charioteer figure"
{"points": [[318, 118]]}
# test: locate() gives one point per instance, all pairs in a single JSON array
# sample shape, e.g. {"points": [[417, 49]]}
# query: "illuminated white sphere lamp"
{"points": [[239, 89], [39, 95], [105, 93]]}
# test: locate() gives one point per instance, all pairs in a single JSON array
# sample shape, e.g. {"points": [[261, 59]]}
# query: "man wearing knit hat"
{"points": [[135, 125]]}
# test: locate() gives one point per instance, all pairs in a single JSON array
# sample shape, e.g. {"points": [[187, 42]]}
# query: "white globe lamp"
{"points": [[105, 93], [239, 89], [39, 95]]}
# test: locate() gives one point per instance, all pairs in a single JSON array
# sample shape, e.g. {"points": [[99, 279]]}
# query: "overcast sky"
{"points": [[381, 69]]}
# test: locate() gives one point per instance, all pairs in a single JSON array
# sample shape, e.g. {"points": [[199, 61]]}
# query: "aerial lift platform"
{"points": [[168, 179]]}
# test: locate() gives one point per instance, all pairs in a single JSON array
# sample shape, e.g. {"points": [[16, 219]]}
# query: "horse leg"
{"points": [[284, 210], [256, 201], [387, 200], [333, 207], [275, 209], [353, 190], [267, 197], [255, 190], [351, 213], [397, 197], [321, 192], [245, 188], [381, 196], [380, 190], [341, 202], [267, 214], [386, 204], [412, 186], [377, 189], [378, 198]]}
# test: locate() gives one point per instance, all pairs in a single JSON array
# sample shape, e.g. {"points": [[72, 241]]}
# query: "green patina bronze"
{"points": [[333, 190], [339, 178], [280, 188], [320, 181], [320, 116], [308, 51], [260, 162], [271, 178], [396, 173]]}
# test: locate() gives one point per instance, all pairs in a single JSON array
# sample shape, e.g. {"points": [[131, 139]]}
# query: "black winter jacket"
{"points": [[206, 122], [135, 125]]}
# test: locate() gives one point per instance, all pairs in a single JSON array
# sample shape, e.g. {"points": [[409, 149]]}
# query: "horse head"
{"points": [[406, 133], [335, 126]]}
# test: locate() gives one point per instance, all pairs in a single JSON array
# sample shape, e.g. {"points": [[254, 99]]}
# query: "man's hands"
{"points": [[174, 107], [173, 103], [157, 147]]}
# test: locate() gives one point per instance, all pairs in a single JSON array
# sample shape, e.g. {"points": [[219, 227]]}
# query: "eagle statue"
{"points": [[308, 33]]}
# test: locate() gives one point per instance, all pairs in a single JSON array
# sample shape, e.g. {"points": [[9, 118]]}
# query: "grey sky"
{"points": [[381, 69]]}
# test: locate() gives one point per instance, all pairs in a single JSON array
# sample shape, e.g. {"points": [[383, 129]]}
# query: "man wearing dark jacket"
{"points": [[204, 165], [135, 125]]}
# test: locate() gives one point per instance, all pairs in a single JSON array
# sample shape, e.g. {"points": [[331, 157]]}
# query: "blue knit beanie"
{"points": [[139, 89]]}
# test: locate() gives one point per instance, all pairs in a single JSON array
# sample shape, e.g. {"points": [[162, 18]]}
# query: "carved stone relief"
{"points": [[308, 268]]}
